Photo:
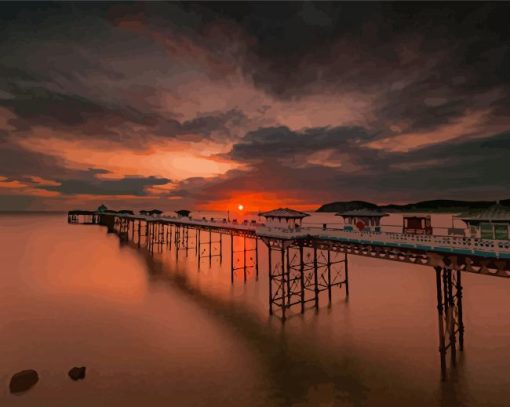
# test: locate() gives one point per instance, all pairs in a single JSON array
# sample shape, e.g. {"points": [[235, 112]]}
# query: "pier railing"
{"points": [[444, 243], [467, 245]]}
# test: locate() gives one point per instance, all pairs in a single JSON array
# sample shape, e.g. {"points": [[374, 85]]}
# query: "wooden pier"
{"points": [[304, 262]]}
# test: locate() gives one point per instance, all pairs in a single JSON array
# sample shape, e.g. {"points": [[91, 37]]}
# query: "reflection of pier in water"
{"points": [[303, 262]]}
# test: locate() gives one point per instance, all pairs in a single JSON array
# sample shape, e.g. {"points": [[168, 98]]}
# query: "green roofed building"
{"points": [[490, 223]]}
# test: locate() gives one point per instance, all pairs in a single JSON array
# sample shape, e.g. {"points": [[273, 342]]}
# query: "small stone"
{"points": [[77, 373], [23, 381]]}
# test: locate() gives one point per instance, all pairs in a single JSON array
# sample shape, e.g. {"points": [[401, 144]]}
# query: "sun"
{"points": [[240, 207]]}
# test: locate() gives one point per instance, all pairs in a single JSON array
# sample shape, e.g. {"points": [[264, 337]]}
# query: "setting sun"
{"points": [[240, 207]]}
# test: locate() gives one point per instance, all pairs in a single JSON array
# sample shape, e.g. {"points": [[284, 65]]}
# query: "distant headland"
{"points": [[437, 205]]}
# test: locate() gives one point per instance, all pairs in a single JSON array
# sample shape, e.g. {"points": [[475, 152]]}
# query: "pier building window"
{"points": [[486, 231], [501, 231]]}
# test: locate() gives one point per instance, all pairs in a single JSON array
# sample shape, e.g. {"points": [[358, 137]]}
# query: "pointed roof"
{"points": [[362, 212], [102, 208], [183, 212], [496, 212], [284, 213]]}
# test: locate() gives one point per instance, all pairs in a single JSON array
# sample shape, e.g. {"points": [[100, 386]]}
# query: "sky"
{"points": [[209, 105]]}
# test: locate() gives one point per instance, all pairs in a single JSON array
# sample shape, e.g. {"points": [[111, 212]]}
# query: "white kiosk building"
{"points": [[284, 218], [368, 220]]}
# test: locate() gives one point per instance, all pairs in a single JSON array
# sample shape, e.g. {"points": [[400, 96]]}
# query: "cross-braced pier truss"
{"points": [[210, 246], [449, 309], [299, 271], [243, 260], [185, 239]]}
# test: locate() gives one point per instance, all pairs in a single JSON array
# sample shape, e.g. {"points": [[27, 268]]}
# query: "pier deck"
{"points": [[455, 245], [305, 261]]}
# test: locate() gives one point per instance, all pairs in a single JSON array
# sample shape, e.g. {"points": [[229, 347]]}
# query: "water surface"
{"points": [[156, 331]]}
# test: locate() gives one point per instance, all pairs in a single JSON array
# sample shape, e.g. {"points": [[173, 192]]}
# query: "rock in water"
{"points": [[77, 373], [24, 380]]}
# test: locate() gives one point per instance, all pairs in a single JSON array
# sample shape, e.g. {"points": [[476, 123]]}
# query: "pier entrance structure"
{"points": [[305, 261]]}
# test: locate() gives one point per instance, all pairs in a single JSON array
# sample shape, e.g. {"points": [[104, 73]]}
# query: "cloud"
{"points": [[126, 186], [200, 103], [28, 172], [463, 169]]}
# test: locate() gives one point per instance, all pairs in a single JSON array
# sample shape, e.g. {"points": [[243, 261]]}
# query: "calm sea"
{"points": [[156, 331]]}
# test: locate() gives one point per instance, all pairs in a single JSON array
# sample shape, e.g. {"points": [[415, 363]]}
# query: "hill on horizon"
{"points": [[436, 205]]}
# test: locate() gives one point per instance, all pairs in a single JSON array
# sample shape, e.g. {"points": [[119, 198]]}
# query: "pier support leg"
{"points": [[315, 277], [269, 256], [210, 248], [232, 258], [442, 345], [284, 283], [329, 276], [186, 233], [256, 259], [449, 310], [139, 232], [458, 294], [287, 277], [221, 248], [302, 277], [244, 258], [346, 268]]}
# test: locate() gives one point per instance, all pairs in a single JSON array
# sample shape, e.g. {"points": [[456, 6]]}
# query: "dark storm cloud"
{"points": [[73, 69], [125, 186], [39, 106], [17, 164], [461, 169], [201, 127], [425, 65], [274, 142], [75, 115]]}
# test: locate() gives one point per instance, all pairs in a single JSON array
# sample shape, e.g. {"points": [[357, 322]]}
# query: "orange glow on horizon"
{"points": [[258, 201]]}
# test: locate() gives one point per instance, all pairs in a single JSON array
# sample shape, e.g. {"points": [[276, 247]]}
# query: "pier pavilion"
{"points": [[491, 223], [102, 208], [183, 213], [362, 219], [284, 218]]}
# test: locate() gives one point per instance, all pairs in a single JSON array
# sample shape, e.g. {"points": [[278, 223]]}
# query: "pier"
{"points": [[304, 262]]}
